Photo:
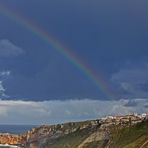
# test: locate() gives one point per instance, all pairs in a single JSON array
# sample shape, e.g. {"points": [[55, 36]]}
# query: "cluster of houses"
{"points": [[124, 119]]}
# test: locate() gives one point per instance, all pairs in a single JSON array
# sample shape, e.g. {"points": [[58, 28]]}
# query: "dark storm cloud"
{"points": [[132, 82], [111, 36]]}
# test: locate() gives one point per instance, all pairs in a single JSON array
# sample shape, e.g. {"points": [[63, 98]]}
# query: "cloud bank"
{"points": [[56, 111]]}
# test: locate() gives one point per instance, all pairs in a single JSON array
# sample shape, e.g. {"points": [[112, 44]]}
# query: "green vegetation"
{"points": [[95, 144], [129, 137], [120, 137], [71, 140]]}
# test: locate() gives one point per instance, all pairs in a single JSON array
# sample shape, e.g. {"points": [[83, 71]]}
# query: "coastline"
{"points": [[8, 146]]}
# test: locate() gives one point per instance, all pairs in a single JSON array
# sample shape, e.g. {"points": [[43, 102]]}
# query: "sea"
{"points": [[15, 129]]}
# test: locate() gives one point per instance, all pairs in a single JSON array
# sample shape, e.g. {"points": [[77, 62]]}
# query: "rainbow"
{"points": [[71, 56]]}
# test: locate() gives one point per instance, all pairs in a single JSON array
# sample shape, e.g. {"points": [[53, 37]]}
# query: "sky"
{"points": [[96, 55]]}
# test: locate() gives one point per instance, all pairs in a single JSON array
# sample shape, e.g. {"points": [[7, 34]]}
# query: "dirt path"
{"points": [[144, 144]]}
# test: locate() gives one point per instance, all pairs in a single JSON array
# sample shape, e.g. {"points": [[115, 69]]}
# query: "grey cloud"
{"points": [[131, 103], [2, 91], [5, 73], [3, 76], [56, 111], [146, 106], [8, 49]]}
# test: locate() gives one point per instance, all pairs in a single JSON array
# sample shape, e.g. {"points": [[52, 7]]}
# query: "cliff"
{"points": [[119, 132], [12, 139]]}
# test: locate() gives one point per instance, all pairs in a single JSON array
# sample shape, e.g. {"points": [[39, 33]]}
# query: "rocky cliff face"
{"points": [[12, 139], [87, 134], [45, 135]]}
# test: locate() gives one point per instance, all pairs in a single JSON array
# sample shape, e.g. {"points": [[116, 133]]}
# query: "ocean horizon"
{"points": [[15, 129]]}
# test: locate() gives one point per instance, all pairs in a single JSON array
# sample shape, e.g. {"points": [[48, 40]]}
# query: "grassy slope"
{"points": [[72, 140], [129, 137], [95, 144]]}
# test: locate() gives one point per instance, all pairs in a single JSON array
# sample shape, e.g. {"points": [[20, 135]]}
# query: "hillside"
{"points": [[130, 137], [114, 137], [112, 132]]}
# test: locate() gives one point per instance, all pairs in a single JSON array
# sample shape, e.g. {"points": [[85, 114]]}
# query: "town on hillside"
{"points": [[123, 119]]}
